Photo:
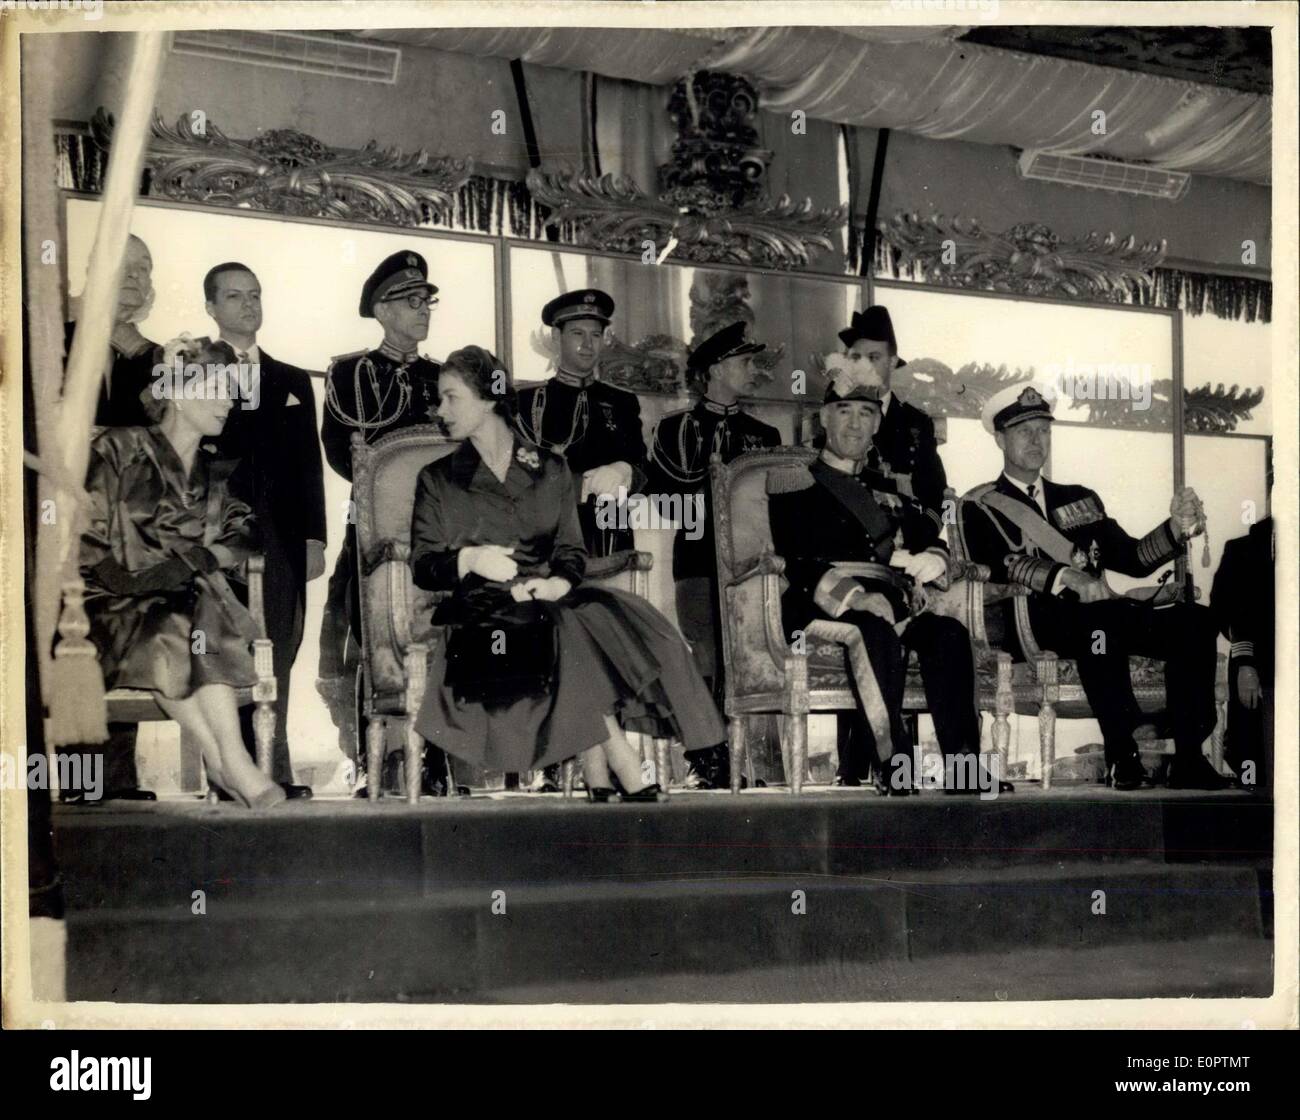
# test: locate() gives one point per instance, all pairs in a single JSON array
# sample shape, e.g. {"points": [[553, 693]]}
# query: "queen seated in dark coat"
{"points": [[162, 532], [537, 667]]}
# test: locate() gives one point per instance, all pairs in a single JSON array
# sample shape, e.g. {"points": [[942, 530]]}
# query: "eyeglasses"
{"points": [[414, 301]]}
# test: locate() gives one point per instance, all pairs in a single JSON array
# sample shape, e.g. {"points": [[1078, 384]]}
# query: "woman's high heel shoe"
{"points": [[651, 792]]}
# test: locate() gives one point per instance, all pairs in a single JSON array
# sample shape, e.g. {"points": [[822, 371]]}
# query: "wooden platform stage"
{"points": [[837, 895]]}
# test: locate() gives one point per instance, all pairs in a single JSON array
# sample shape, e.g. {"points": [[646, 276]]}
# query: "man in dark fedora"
{"points": [[280, 476], [374, 392], [721, 370]]}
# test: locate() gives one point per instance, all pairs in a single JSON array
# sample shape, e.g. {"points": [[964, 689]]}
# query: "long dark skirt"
{"points": [[615, 654]]}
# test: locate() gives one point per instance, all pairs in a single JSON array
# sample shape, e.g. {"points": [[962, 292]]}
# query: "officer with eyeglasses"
{"points": [[376, 392]]}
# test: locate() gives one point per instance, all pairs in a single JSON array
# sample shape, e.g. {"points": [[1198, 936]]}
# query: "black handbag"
{"points": [[495, 664]]}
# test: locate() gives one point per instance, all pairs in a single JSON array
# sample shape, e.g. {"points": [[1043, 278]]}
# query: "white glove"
{"points": [[491, 561], [925, 567], [606, 481]]}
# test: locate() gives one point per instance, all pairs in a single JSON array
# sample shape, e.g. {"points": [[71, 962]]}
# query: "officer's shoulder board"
{"points": [[976, 493], [346, 358], [788, 480]]}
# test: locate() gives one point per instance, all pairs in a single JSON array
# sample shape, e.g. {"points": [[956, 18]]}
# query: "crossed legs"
{"points": [[211, 717]]}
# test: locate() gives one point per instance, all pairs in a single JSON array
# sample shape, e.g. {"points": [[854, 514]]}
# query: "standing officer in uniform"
{"points": [[905, 448], [1242, 601], [857, 561], [280, 476], [721, 370], [1056, 540], [374, 392], [594, 426]]}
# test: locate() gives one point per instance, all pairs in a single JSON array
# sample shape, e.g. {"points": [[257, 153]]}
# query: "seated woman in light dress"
{"points": [[538, 667], [161, 535]]}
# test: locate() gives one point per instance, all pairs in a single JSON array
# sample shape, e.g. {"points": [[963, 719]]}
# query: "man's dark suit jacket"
{"points": [[119, 404], [280, 473]]}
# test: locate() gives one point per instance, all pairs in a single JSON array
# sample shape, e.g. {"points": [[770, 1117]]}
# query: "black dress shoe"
{"points": [[886, 788], [293, 792], [1128, 774], [847, 780], [1195, 773], [601, 794], [78, 796]]}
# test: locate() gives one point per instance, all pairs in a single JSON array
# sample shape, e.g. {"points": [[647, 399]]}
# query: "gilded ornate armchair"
{"points": [[397, 636], [763, 673], [1048, 686]]}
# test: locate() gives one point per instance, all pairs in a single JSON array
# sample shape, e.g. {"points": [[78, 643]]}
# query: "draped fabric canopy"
{"points": [[919, 80]]}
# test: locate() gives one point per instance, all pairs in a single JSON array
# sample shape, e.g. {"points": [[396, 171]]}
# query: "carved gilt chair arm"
{"points": [[602, 567], [766, 564]]}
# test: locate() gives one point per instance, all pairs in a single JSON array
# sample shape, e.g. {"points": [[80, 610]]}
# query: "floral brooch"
{"points": [[529, 458]]}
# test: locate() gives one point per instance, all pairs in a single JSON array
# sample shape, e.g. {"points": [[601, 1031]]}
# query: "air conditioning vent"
{"points": [[1103, 174], [335, 56]]}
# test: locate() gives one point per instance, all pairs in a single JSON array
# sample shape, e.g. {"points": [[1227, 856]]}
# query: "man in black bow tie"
{"points": [[721, 369]]}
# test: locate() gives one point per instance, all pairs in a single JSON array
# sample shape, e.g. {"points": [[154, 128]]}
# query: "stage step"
{"points": [[155, 855], [466, 943]]}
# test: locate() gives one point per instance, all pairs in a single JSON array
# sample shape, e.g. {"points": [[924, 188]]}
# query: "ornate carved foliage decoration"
{"points": [[289, 172], [1028, 259], [612, 213], [712, 209]]}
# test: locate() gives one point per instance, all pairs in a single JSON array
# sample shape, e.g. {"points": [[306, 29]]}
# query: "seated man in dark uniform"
{"points": [[857, 561], [721, 370], [1057, 540], [374, 392], [903, 460]]}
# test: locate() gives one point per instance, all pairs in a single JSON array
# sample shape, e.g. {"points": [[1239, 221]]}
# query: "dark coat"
{"points": [[119, 404], [813, 529], [680, 450], [367, 386], [1078, 514], [143, 512], [614, 653], [280, 473], [907, 443], [591, 426], [1242, 597]]}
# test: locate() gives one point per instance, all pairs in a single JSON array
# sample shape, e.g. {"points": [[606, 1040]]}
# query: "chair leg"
{"points": [[736, 746], [796, 712], [566, 776], [1003, 706], [264, 696], [1047, 740], [1220, 713], [413, 759], [663, 763], [374, 757]]}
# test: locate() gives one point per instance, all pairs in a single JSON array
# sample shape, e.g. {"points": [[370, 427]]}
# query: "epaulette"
{"points": [[975, 493], [347, 357], [788, 480]]}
